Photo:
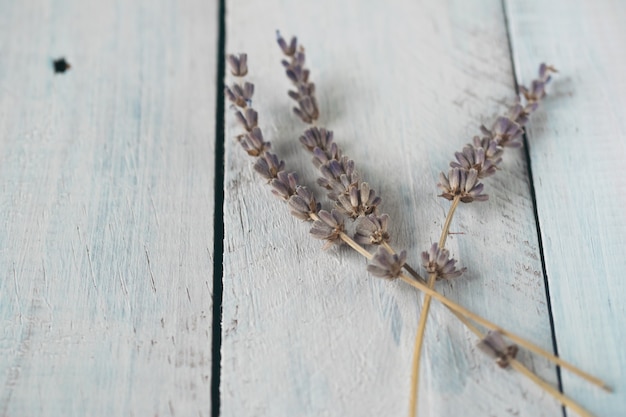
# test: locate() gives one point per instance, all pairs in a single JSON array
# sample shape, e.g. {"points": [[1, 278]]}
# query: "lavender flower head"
{"points": [[460, 182], [532, 95], [338, 176], [249, 119], [386, 265], [484, 157], [505, 132], [303, 204], [494, 345], [284, 185], [329, 227], [360, 201], [238, 64], [537, 89], [320, 143], [372, 230], [240, 96], [308, 109], [288, 49], [437, 261], [268, 166], [253, 143]]}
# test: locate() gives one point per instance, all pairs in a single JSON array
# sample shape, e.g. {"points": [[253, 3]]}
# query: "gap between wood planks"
{"points": [[218, 219], [533, 198]]}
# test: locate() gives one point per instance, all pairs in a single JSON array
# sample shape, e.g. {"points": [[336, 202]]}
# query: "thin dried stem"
{"points": [[515, 364], [514, 337], [519, 367], [482, 321], [446, 225], [417, 348], [421, 328], [562, 398]]}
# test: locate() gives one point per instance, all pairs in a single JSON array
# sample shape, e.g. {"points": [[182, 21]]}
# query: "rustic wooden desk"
{"points": [[146, 271]]}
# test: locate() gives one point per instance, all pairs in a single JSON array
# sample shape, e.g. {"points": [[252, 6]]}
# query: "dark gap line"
{"points": [[533, 197], [218, 217]]}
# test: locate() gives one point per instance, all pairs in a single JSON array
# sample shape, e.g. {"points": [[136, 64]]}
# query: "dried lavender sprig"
{"points": [[516, 365], [464, 315], [478, 160]]}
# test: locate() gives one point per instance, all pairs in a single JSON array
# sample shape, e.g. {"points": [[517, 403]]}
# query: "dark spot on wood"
{"points": [[60, 65]]}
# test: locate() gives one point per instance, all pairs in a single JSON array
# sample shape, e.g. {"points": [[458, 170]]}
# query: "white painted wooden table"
{"points": [[145, 269]]}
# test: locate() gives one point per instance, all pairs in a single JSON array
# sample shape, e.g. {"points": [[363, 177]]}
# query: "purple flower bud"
{"points": [[372, 230], [268, 165], [386, 265], [303, 204], [329, 227], [463, 183], [494, 346], [238, 64], [437, 261], [288, 49]]}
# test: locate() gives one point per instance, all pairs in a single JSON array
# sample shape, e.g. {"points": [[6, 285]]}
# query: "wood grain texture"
{"points": [[106, 204], [306, 332], [577, 150]]}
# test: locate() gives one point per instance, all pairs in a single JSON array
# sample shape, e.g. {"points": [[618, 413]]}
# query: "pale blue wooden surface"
{"points": [[106, 208], [106, 202], [578, 155]]}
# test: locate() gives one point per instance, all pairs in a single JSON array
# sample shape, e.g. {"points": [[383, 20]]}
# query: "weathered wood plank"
{"points": [[403, 85], [106, 203], [577, 150]]}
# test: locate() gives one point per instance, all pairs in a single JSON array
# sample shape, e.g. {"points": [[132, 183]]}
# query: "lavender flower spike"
{"points": [[494, 345], [386, 265], [437, 261]]}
